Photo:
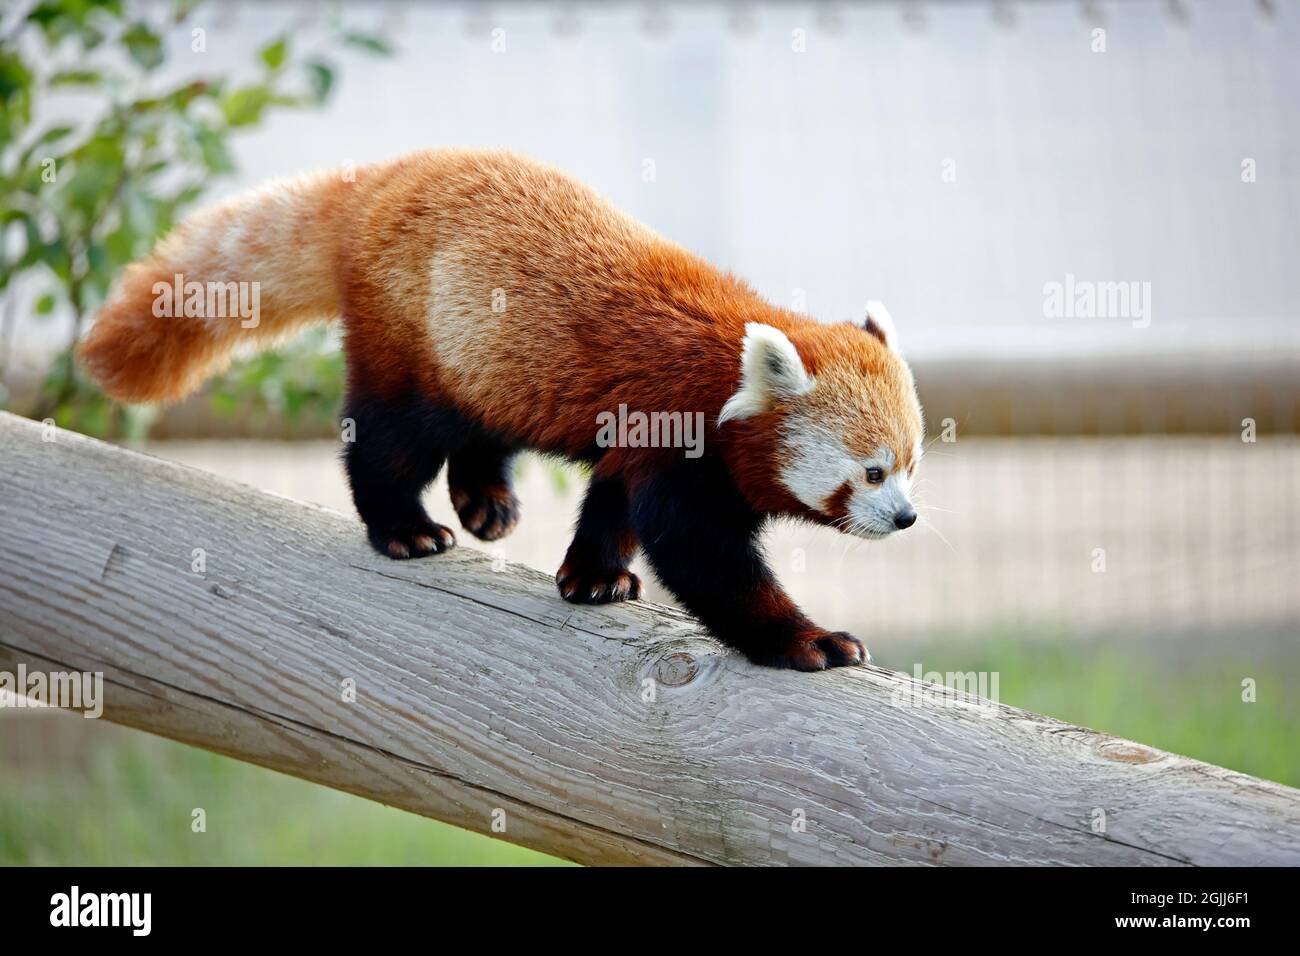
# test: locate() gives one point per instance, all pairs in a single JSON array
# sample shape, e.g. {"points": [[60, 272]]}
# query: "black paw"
{"points": [[816, 652], [489, 512], [412, 539], [597, 587]]}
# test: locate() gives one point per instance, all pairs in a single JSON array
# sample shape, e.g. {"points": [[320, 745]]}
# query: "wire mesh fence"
{"points": [[1131, 535], [1136, 535]]}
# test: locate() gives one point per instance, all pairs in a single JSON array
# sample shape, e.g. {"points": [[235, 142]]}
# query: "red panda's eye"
{"points": [[875, 476]]}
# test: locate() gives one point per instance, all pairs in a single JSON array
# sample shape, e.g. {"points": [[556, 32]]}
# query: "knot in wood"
{"points": [[1125, 752], [676, 669]]}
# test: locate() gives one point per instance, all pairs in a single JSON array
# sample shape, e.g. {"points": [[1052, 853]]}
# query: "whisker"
{"points": [[930, 524]]}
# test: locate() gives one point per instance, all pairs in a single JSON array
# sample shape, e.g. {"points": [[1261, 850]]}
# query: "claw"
{"points": [[597, 587]]}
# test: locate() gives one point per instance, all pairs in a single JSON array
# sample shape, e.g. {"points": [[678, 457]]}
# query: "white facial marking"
{"points": [[882, 459], [872, 508], [817, 465]]}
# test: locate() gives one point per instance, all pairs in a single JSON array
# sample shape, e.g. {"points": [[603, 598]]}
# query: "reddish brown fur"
{"points": [[838, 506], [600, 310]]}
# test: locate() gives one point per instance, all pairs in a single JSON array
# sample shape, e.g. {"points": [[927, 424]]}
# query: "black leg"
{"points": [[595, 567], [396, 450], [702, 539], [479, 476]]}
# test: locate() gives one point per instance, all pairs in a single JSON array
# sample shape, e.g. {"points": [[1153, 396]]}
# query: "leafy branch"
{"points": [[83, 200]]}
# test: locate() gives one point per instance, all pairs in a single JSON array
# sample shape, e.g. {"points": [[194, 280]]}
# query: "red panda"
{"points": [[492, 304]]}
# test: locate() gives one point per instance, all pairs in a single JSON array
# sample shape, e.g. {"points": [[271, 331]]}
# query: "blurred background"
{"points": [[1084, 217]]}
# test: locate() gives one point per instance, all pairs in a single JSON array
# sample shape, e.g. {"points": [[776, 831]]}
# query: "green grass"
{"points": [[130, 802], [126, 798], [1180, 694]]}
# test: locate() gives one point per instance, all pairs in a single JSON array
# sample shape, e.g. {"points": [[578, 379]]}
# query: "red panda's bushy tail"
{"points": [[240, 275]]}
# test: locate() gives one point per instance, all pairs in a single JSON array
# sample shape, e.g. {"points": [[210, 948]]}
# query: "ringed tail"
{"points": [[257, 268]]}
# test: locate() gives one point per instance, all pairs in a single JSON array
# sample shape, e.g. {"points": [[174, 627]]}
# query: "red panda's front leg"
{"points": [[595, 568], [702, 538]]}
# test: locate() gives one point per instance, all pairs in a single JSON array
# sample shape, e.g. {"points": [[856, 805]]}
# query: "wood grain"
{"points": [[619, 735]]}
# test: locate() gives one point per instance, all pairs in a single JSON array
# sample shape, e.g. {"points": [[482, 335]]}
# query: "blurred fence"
{"points": [[1134, 536], [1128, 535], [1152, 395], [1160, 394]]}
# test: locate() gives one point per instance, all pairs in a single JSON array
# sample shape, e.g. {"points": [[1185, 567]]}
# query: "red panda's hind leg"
{"points": [[479, 479], [595, 568], [394, 449]]}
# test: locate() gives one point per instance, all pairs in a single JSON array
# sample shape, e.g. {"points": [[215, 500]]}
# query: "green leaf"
{"points": [[185, 197], [108, 6], [91, 38], [53, 254], [97, 168], [183, 8], [51, 135], [214, 151], [141, 212], [321, 78], [49, 17], [101, 266], [76, 78], [128, 175], [15, 95], [120, 244], [368, 42], [274, 54], [177, 100], [15, 78], [144, 46], [243, 107]]}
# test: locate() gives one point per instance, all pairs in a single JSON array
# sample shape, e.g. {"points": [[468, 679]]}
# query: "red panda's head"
{"points": [[837, 409]]}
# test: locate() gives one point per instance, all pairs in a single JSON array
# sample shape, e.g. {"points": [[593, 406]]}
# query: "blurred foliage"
{"points": [[126, 798], [82, 201], [301, 384], [561, 472], [1178, 692]]}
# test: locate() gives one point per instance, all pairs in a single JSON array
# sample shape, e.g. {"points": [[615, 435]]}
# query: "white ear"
{"points": [[881, 325], [770, 368]]}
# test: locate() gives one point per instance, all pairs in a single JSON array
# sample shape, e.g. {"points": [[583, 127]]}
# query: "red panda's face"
{"points": [[848, 433]]}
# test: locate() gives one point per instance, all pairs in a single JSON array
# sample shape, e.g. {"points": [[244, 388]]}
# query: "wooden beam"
{"points": [[236, 621]]}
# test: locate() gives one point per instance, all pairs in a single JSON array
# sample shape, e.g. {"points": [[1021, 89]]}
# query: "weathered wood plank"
{"points": [[478, 690]]}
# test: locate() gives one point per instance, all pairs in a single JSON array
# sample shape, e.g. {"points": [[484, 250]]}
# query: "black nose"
{"points": [[904, 519]]}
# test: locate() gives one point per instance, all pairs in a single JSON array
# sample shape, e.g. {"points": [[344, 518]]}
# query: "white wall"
{"points": [[821, 171]]}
